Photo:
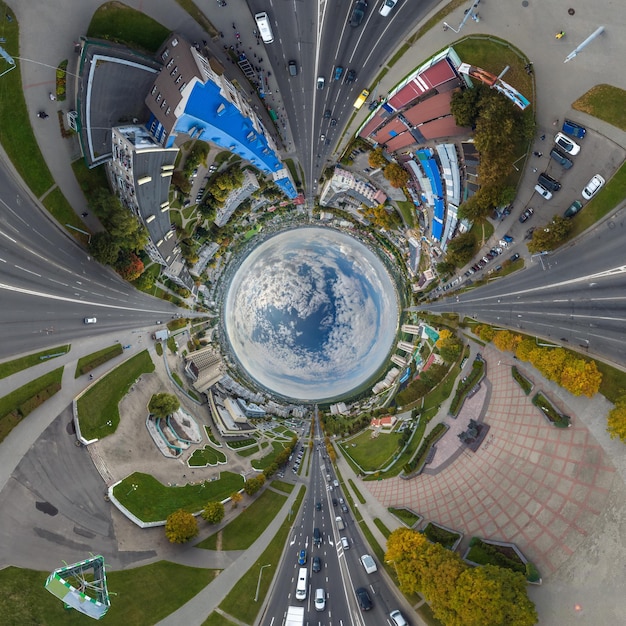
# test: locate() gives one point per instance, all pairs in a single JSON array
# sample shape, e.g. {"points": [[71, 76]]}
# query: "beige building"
{"points": [[205, 367]]}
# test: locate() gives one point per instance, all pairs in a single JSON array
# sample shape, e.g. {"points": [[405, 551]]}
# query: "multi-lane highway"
{"points": [[341, 569], [49, 284], [317, 36], [574, 297]]}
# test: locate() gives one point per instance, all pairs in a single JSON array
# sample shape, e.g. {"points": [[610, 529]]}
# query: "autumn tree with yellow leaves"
{"points": [[458, 594]]}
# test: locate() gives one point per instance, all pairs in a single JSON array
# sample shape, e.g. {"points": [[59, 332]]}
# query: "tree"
{"points": [[490, 595], [524, 349], [616, 423], [486, 332], [163, 404], [145, 282], [129, 266], [181, 526], [581, 377], [506, 341], [396, 175], [213, 512], [376, 158], [103, 248], [461, 249], [252, 485], [449, 346], [549, 362], [551, 235], [445, 267], [235, 498], [464, 105]]}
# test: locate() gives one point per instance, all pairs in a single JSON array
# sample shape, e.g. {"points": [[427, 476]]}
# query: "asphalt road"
{"points": [[573, 297], [49, 284]]}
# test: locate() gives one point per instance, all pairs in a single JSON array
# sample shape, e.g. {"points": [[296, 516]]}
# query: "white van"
{"points": [[265, 30], [369, 564], [301, 585]]}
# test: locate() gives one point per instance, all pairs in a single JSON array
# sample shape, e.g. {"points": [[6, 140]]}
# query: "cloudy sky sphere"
{"points": [[311, 313]]}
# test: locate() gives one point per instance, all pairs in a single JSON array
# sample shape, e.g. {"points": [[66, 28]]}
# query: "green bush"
{"points": [[464, 387], [501, 556], [545, 406], [440, 535], [532, 573], [523, 382], [424, 449]]}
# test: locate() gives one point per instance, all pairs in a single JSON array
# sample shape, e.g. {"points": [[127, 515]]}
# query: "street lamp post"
{"points": [[258, 585], [132, 488]]}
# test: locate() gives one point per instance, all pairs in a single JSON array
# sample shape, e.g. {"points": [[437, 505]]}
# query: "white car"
{"points": [[387, 6], [566, 144], [541, 190], [90, 320], [397, 618], [320, 599], [321, 81], [593, 186]]}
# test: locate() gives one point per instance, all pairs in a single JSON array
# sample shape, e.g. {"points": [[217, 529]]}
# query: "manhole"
{"points": [[525, 3], [571, 11]]}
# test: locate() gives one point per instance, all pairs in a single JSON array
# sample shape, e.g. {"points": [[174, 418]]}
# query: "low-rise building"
{"points": [[344, 184]]}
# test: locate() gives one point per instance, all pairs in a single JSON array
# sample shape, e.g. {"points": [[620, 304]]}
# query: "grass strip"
{"points": [[248, 526], [206, 456], [356, 491], [404, 515], [381, 526], [93, 360], [217, 619], [427, 444], [23, 363], [139, 598], [240, 601], [465, 386], [521, 380], [283, 486], [98, 407], [545, 406], [19, 403], [152, 501]]}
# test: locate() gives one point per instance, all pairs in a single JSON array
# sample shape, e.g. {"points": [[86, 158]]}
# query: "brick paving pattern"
{"points": [[540, 487]]}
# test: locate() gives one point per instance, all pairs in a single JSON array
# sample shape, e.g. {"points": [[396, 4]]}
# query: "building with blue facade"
{"points": [[191, 98]]}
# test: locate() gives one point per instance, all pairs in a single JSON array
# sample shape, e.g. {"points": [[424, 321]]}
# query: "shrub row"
{"points": [[436, 534], [545, 406], [522, 381], [424, 449], [478, 368], [486, 553], [61, 80]]}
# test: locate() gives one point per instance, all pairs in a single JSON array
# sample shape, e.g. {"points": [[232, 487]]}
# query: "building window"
{"points": [[174, 71], [182, 87], [171, 62], [154, 88], [165, 54], [159, 97], [168, 110]]}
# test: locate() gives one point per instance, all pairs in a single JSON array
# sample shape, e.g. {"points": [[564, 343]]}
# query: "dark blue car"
{"points": [[573, 129]]}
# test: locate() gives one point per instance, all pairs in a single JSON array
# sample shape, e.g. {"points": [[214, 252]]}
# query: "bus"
{"points": [[301, 586]]}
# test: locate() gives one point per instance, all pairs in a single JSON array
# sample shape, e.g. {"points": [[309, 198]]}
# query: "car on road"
{"points": [[387, 6], [561, 159], [317, 564], [345, 543], [574, 129], [90, 320], [338, 72], [321, 81], [514, 257], [526, 215], [365, 602], [350, 76], [302, 557], [548, 182], [318, 506], [344, 508], [565, 143], [333, 122], [322, 137], [573, 209], [542, 191], [320, 599], [358, 13], [335, 502], [293, 68], [397, 619], [327, 114], [507, 239], [593, 186]]}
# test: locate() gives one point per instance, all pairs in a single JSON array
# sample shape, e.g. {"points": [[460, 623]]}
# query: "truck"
{"points": [[360, 101], [295, 616]]}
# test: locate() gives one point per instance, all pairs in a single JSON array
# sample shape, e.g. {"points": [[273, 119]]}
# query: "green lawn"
{"points": [[371, 453], [152, 501], [283, 486], [248, 451], [234, 445], [217, 619], [20, 402], [99, 405], [247, 527], [407, 517], [381, 526], [117, 22], [206, 456], [605, 102], [137, 595], [8, 368], [408, 211], [91, 361], [268, 459], [240, 601]]}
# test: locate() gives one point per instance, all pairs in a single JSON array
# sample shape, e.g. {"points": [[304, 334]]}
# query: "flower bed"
{"points": [[465, 386], [522, 381], [551, 414], [435, 533], [61, 81]]}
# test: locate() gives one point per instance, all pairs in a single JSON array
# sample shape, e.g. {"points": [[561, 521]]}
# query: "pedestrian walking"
{"points": [[539, 154], [534, 170], [542, 137]]}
